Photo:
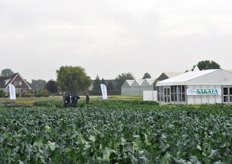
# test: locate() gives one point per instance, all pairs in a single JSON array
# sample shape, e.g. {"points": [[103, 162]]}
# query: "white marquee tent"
{"points": [[197, 87]]}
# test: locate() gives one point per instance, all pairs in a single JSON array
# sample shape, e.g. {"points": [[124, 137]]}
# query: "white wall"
{"points": [[149, 95]]}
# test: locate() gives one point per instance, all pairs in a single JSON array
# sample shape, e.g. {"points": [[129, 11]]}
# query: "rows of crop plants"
{"points": [[112, 104], [116, 132]]}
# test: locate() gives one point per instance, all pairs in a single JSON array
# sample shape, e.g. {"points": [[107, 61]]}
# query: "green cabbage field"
{"points": [[115, 132]]}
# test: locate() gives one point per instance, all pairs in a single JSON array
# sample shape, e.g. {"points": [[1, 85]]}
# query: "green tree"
{"points": [[2, 93], [51, 86], [44, 93], [206, 64], [103, 81], [96, 86], [110, 86], [7, 72], [38, 84], [122, 78], [146, 76], [73, 79]]}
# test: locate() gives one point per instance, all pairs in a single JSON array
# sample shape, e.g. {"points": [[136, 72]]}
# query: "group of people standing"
{"points": [[74, 97]]}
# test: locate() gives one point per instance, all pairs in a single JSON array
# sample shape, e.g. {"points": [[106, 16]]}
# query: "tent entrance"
{"points": [[166, 94]]}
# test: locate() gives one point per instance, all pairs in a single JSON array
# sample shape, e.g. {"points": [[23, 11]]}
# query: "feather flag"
{"points": [[12, 92], [104, 91]]}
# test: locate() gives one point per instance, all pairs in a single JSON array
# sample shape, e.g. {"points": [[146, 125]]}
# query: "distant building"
{"points": [[136, 87], [167, 75], [17, 80]]}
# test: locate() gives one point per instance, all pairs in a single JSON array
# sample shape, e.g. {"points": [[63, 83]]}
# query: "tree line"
{"points": [[74, 79]]}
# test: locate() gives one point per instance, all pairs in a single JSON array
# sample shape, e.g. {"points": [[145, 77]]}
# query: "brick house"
{"points": [[21, 86]]}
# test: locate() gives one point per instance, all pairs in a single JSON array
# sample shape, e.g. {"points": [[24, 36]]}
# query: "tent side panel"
{"points": [[204, 99]]}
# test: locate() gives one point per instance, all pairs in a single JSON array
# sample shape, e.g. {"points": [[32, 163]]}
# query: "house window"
{"points": [[15, 83], [20, 83]]}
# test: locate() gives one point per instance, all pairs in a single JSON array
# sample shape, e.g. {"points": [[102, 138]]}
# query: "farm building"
{"points": [[136, 87], [17, 80], [197, 87]]}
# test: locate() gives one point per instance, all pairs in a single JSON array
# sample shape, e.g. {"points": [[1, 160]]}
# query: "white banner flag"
{"points": [[12, 92], [104, 91]]}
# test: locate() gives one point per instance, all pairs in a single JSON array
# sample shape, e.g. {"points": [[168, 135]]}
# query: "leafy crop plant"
{"points": [[116, 132]]}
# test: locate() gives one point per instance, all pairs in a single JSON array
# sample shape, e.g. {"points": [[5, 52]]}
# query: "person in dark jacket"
{"points": [[65, 97], [68, 100], [77, 98], [73, 98], [87, 98]]}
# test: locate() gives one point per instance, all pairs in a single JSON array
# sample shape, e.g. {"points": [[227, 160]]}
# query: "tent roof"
{"points": [[196, 68], [183, 78], [172, 74]]}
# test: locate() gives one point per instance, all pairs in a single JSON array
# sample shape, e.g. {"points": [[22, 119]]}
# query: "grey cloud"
{"points": [[111, 37]]}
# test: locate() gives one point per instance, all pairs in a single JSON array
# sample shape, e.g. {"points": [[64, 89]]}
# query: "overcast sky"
{"points": [[110, 37]]}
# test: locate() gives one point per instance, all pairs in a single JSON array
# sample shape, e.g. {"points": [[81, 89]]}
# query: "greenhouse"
{"points": [[136, 87], [197, 87]]}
